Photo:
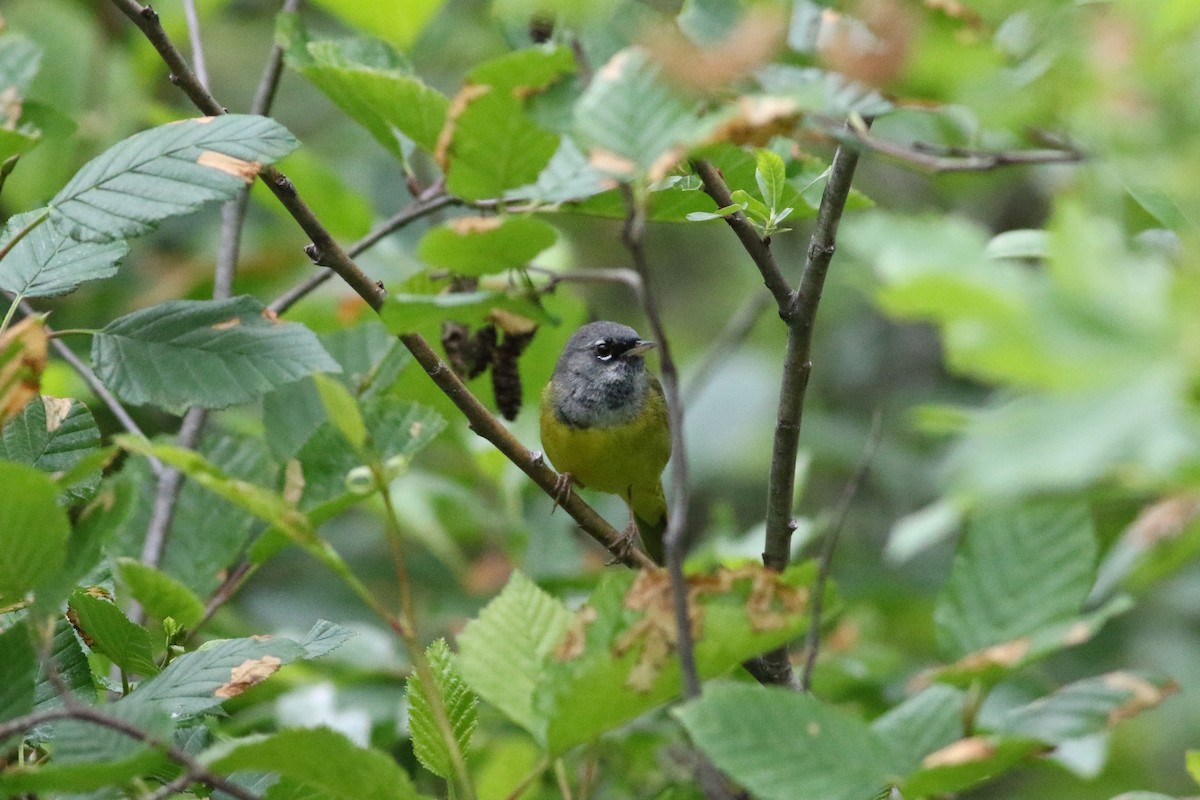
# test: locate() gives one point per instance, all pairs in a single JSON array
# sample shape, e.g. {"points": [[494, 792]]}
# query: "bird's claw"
{"points": [[562, 489], [625, 544]]}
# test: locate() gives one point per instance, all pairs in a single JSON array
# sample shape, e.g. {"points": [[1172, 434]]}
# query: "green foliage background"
{"points": [[1028, 335]]}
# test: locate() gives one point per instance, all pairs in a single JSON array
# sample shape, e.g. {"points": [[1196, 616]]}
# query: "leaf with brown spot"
{"points": [[458, 104], [22, 362], [246, 171], [754, 41], [57, 410], [247, 674]]}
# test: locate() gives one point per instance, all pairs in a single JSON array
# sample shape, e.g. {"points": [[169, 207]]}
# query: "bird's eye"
{"points": [[603, 349]]}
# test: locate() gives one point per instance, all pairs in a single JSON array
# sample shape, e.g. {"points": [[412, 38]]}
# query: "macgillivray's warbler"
{"points": [[604, 425]]}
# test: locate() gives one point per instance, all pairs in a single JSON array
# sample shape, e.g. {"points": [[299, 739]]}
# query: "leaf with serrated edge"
{"points": [[159, 594], [204, 353], [321, 758], [48, 263], [501, 651], [105, 629], [460, 704], [1019, 570], [166, 171], [30, 504], [783, 745]]}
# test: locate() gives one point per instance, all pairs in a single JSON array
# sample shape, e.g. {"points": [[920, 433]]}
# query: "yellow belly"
{"points": [[625, 460]]}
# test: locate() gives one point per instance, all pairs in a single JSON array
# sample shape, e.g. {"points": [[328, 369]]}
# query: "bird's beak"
{"points": [[638, 349]]}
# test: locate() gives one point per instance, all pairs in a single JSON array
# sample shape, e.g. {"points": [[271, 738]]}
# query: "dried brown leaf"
{"points": [[250, 672]]}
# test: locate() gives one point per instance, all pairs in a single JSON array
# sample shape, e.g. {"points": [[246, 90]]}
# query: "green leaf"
{"points": [[200, 562], [502, 651], [33, 531], [631, 117], [19, 61], [494, 146], [199, 353], [822, 91], [626, 653], [167, 171], [52, 435], [1019, 570], [47, 262], [199, 681], [482, 245], [400, 24], [262, 503], [395, 428], [73, 669], [529, 70], [372, 84], [108, 631], [324, 638], [1023, 243], [342, 410], [405, 312], [18, 672], [568, 176], [1193, 765], [966, 763], [782, 745], [81, 777], [771, 176], [323, 759], [461, 709], [924, 723], [159, 594], [1086, 707]]}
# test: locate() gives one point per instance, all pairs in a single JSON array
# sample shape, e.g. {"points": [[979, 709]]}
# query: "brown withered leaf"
{"points": [[250, 672], [754, 121], [572, 644], [1143, 694], [754, 42], [465, 226], [1164, 519], [873, 56], [57, 410], [22, 362]]}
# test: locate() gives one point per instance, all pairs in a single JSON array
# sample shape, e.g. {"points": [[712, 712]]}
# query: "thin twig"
{"points": [[758, 248], [675, 544], [329, 253], [72, 709], [728, 340], [193, 28], [812, 643], [166, 495], [935, 158], [420, 207]]}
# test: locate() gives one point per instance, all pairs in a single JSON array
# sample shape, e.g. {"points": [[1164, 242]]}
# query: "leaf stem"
{"points": [[408, 632]]}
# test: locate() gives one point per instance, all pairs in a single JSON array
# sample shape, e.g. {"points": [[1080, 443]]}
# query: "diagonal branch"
{"points": [[329, 253], [759, 249]]}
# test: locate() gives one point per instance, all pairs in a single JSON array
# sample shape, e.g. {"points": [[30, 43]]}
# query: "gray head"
{"points": [[600, 378]]}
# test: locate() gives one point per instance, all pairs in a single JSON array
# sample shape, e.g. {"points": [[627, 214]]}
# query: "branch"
{"points": [[71, 709], [193, 28], [800, 316], [329, 253], [675, 544], [933, 158], [532, 464], [812, 643], [427, 203], [759, 249]]}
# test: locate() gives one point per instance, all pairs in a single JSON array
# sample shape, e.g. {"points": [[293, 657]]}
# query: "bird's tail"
{"points": [[650, 512]]}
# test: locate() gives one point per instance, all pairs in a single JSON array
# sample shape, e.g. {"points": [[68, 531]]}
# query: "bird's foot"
{"points": [[625, 544], [562, 489]]}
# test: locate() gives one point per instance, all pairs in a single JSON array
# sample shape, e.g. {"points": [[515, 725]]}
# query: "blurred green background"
{"points": [[1117, 78]]}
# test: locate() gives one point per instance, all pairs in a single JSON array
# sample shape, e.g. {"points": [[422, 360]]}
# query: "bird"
{"points": [[604, 426]]}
